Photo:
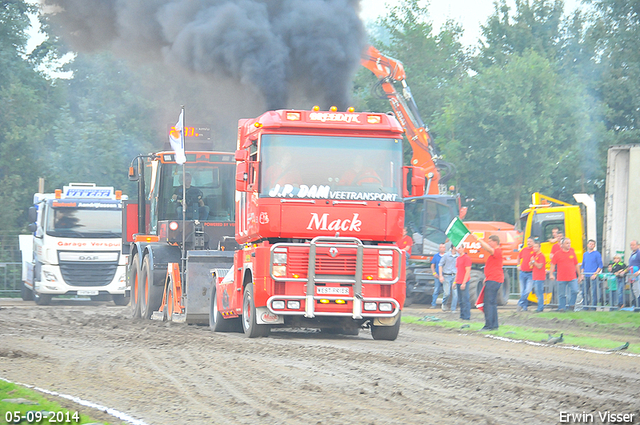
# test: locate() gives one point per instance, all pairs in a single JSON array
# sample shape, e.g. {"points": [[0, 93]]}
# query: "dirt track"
{"points": [[166, 373]]}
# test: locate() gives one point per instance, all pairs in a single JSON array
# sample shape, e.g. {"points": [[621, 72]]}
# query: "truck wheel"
{"points": [[504, 291], [133, 279], [475, 286], [249, 326], [386, 333], [217, 323], [26, 293], [119, 299], [150, 294], [42, 299]]}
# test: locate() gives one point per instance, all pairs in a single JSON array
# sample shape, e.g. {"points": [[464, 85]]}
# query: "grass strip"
{"points": [[9, 391], [583, 339]]}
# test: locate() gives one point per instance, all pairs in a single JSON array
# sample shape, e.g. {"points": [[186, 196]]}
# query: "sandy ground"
{"points": [[167, 373]]}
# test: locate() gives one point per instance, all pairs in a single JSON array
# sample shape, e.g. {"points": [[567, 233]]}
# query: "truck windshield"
{"points": [[84, 222], [331, 167], [210, 191]]}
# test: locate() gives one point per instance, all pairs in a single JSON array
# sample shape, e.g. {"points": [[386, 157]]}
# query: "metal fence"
{"points": [[10, 265], [610, 295]]}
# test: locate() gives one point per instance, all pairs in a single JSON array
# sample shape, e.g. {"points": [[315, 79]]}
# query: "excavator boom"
{"points": [[388, 71]]}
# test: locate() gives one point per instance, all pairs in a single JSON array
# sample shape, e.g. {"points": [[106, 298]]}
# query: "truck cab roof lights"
{"points": [[374, 119], [333, 109], [118, 195], [294, 116], [316, 108], [58, 193], [257, 124], [351, 109]]}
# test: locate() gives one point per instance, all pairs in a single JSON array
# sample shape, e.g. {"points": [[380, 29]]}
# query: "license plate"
{"points": [[332, 290], [90, 293]]}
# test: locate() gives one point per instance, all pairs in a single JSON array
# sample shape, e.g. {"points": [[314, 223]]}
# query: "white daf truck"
{"points": [[76, 249]]}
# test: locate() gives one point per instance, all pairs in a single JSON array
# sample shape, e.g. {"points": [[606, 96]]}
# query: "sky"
{"points": [[469, 13]]}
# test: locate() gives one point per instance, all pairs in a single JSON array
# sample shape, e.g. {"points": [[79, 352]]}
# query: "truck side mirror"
{"points": [[32, 227], [242, 155], [242, 176], [133, 174], [32, 214], [414, 181]]}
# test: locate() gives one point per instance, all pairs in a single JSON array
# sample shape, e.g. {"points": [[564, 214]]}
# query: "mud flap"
{"points": [[385, 321], [199, 282], [265, 317]]}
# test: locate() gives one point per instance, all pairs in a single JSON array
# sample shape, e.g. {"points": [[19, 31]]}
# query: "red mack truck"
{"points": [[318, 212]]}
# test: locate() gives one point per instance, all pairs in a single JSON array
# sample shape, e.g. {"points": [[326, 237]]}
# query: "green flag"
{"points": [[457, 232]]}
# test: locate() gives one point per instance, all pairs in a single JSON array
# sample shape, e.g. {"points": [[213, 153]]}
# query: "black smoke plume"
{"points": [[273, 47]]}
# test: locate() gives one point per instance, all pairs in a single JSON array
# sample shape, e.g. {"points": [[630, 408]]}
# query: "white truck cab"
{"points": [[76, 250]]}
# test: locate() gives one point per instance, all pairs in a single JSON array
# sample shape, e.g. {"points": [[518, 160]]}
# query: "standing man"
{"points": [[447, 276], [493, 278], [539, 274], [526, 276], [634, 270], [435, 272], [463, 274], [557, 244], [619, 269], [569, 273], [591, 267]]}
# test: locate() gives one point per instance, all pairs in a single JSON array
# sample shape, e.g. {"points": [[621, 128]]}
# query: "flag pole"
{"points": [[184, 198]]}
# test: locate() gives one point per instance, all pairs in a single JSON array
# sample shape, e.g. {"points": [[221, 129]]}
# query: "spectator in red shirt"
{"points": [[556, 241], [526, 276], [461, 284], [569, 273], [539, 274], [493, 278], [405, 243]]}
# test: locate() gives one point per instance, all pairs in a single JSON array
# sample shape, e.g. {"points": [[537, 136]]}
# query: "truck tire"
{"points": [[386, 333], [119, 299], [42, 299], [26, 293], [476, 282], [150, 294], [249, 325], [217, 323], [134, 298], [504, 291]]}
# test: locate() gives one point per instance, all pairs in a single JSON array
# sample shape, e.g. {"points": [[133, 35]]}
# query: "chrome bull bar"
{"points": [[356, 282]]}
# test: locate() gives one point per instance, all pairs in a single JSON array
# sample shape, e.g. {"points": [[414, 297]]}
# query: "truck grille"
{"points": [[88, 273], [343, 264]]}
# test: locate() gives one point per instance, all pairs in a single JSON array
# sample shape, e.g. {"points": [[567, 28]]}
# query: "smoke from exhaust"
{"points": [[272, 47]]}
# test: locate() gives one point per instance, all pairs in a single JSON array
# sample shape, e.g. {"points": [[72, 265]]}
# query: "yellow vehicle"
{"points": [[546, 213]]}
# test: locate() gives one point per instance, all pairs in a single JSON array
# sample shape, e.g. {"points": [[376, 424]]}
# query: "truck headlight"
{"points": [[279, 258], [49, 277], [385, 261], [279, 271], [385, 273], [370, 306], [277, 305], [293, 305], [386, 307]]}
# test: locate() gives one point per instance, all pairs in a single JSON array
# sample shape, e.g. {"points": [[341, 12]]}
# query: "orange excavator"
{"points": [[427, 217], [390, 71]]}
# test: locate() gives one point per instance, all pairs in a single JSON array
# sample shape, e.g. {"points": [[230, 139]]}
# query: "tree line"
{"points": [[533, 106]]}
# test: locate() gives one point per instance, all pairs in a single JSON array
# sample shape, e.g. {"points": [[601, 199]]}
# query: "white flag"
{"points": [[176, 138]]}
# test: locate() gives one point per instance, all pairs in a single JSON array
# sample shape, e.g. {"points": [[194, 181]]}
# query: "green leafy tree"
{"points": [[106, 123], [27, 106], [535, 26], [615, 35], [508, 129]]}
